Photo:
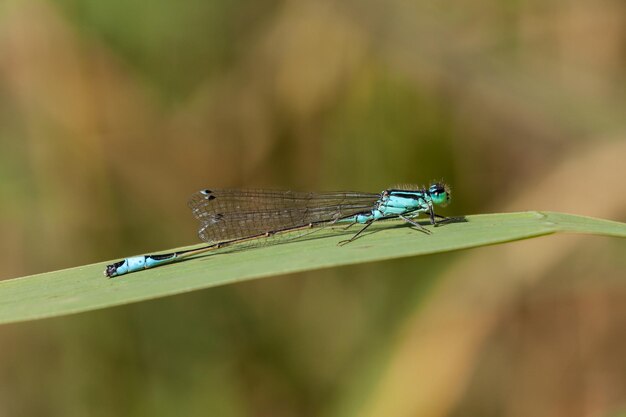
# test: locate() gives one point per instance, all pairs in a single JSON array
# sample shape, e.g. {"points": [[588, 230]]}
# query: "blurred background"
{"points": [[113, 112]]}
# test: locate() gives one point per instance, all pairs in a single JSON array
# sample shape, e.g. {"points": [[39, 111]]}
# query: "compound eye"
{"points": [[436, 189], [439, 193]]}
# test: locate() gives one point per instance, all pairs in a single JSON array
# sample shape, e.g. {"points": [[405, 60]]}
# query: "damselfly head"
{"points": [[440, 193]]}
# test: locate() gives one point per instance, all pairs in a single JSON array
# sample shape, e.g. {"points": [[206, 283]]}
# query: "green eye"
{"points": [[439, 193]]}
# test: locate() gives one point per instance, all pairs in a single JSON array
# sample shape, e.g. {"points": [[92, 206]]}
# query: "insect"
{"points": [[229, 217]]}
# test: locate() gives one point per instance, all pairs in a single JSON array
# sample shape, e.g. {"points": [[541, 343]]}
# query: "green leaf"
{"points": [[85, 288]]}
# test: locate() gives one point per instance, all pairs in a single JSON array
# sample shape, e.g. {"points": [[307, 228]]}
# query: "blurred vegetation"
{"points": [[113, 113]]}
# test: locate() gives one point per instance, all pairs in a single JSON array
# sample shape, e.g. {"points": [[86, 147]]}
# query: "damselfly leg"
{"points": [[344, 242]]}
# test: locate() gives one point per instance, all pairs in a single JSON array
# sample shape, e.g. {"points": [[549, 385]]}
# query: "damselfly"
{"points": [[228, 217]]}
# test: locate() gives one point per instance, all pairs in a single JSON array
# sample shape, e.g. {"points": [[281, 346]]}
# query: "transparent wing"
{"points": [[233, 214]]}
